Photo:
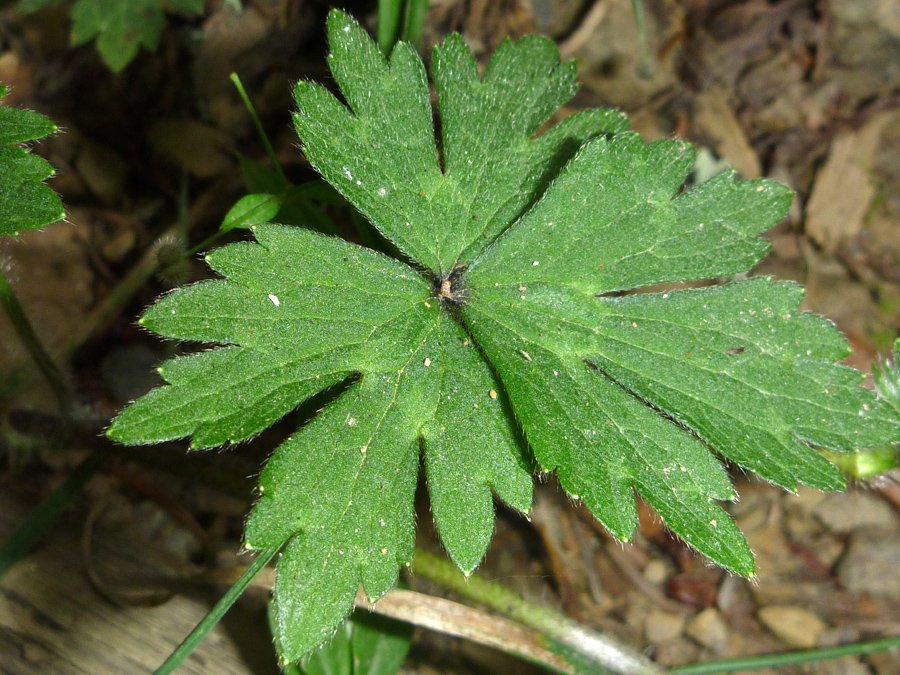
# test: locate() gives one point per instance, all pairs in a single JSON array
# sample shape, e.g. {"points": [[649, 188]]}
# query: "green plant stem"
{"points": [[270, 151], [216, 613], [645, 66], [48, 511], [599, 648], [206, 243], [35, 348], [788, 659], [390, 14], [415, 21]]}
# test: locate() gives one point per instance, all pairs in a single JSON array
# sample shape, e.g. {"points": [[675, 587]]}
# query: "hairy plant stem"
{"points": [[39, 355], [415, 21], [600, 649], [645, 65]]}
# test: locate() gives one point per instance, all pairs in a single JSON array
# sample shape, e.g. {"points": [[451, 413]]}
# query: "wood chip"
{"points": [[715, 119], [842, 193]]}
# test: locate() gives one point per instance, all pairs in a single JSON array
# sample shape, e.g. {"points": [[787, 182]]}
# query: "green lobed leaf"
{"points": [[297, 207], [367, 644], [887, 377], [380, 645], [122, 27], [25, 202], [381, 153], [504, 340], [610, 223], [335, 657]]}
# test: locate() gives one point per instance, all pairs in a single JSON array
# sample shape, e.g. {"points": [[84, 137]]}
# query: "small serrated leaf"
{"points": [[25, 202], [121, 28]]}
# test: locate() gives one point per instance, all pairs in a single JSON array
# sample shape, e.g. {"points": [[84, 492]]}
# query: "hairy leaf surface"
{"points": [[501, 342]]}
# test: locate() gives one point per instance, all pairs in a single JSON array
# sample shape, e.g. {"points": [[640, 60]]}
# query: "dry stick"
{"points": [[35, 347], [113, 303], [585, 30], [602, 649], [453, 618], [623, 563]]}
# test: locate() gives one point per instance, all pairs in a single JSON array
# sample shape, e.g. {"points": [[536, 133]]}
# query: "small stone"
{"points": [[709, 630], [794, 626], [870, 565], [850, 511], [662, 626], [883, 663], [840, 635], [848, 665], [806, 499], [677, 652], [656, 571]]}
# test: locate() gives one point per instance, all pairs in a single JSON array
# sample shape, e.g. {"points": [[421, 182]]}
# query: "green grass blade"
{"points": [[390, 14], [47, 512], [787, 659], [645, 65], [415, 21], [270, 151], [216, 613]]}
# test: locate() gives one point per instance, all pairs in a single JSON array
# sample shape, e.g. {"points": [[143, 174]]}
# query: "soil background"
{"points": [[804, 91]]}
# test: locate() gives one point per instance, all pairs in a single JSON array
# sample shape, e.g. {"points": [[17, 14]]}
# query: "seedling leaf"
{"points": [[502, 338], [122, 27], [252, 209]]}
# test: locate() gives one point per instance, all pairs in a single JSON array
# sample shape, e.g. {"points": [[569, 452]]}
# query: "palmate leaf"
{"points": [[25, 202], [501, 344]]}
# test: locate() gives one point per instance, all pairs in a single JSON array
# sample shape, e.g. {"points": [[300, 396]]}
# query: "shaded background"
{"points": [[803, 91]]}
